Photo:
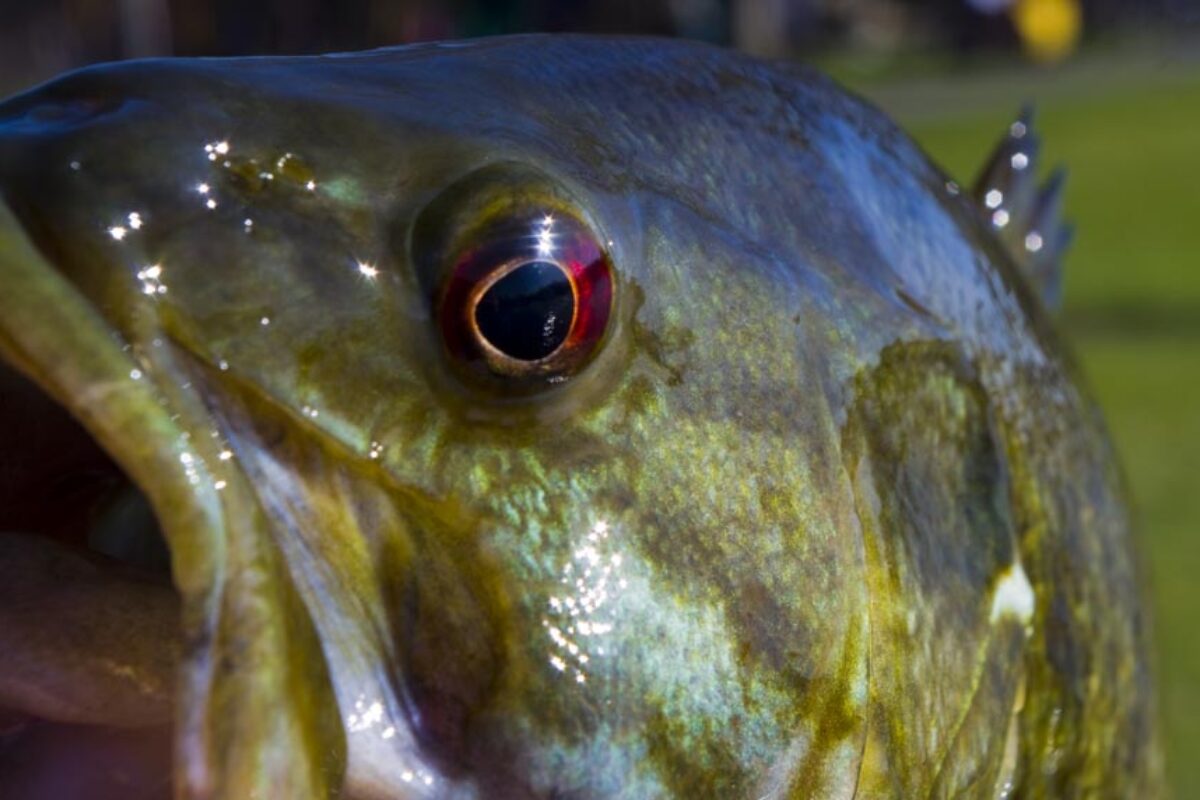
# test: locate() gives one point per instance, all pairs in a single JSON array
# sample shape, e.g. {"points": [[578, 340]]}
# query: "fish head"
{"points": [[522, 416]]}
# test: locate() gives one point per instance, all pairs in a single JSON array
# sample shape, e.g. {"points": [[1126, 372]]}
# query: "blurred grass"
{"points": [[1129, 133]]}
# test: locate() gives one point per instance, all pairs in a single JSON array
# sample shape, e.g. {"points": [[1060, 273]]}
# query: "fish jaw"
{"points": [[269, 597], [246, 638]]}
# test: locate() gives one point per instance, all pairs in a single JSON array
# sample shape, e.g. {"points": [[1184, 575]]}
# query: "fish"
{"points": [[545, 417]]}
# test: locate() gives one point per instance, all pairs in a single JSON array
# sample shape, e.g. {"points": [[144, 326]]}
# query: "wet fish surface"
{"points": [[543, 417]]}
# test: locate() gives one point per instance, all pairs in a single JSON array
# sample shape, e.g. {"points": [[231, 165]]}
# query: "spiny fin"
{"points": [[1026, 217]]}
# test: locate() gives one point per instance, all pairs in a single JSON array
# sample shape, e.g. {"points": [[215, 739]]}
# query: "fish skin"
{"points": [[828, 422]]}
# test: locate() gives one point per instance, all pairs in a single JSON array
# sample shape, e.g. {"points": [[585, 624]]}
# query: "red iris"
{"points": [[531, 300]]}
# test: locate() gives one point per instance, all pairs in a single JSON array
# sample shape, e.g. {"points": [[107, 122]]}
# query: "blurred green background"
{"points": [[1128, 129], [1117, 86]]}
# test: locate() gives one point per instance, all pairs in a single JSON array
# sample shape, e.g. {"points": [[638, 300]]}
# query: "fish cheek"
{"points": [[932, 490], [447, 611]]}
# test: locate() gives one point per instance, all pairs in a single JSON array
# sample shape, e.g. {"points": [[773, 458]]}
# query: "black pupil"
{"points": [[527, 313]]}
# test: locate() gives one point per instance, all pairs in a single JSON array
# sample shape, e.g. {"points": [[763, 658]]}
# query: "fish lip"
{"points": [[56, 338], [244, 639]]}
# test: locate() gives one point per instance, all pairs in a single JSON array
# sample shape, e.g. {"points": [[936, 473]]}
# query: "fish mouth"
{"points": [[89, 618], [140, 591]]}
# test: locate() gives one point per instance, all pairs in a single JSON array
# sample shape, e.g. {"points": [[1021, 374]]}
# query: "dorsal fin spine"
{"points": [[1026, 217]]}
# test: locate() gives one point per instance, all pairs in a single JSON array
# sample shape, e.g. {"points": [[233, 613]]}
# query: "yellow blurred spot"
{"points": [[1049, 29]]}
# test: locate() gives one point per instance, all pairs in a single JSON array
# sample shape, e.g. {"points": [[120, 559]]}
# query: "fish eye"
{"points": [[529, 299]]}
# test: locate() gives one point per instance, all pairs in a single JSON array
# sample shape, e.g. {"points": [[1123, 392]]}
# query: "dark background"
{"points": [[38, 39]]}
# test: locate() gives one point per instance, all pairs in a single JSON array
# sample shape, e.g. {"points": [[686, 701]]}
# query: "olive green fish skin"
{"points": [[827, 514]]}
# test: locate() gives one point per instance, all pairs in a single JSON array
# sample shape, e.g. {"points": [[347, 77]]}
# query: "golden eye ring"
{"points": [[531, 301]]}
